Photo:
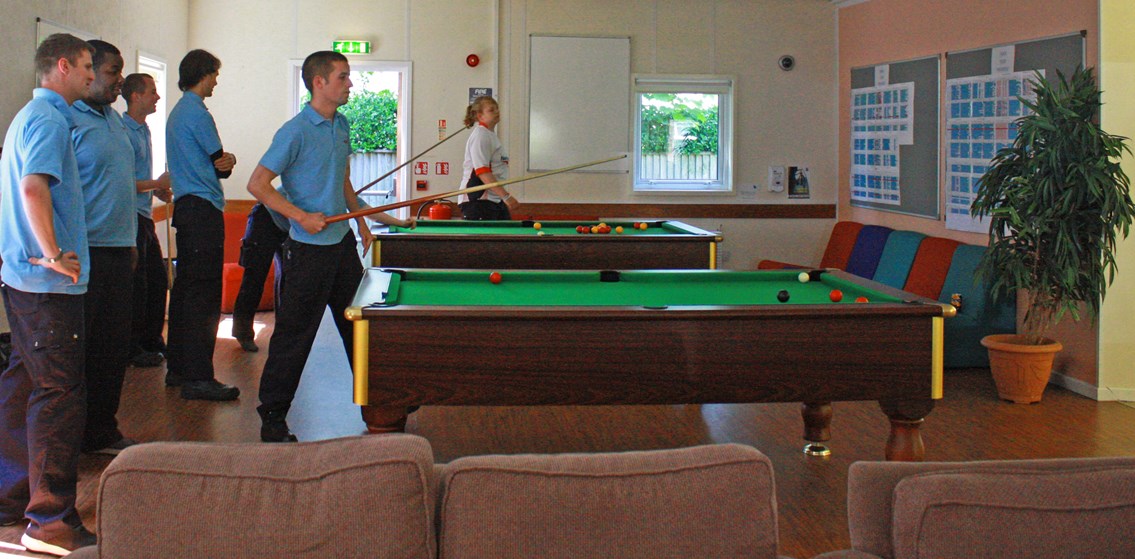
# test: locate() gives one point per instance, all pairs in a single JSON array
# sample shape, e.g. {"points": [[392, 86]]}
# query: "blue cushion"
{"points": [[867, 250], [898, 255], [978, 316]]}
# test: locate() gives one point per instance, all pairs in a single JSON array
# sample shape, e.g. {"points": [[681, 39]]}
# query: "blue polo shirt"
{"points": [[191, 137], [310, 154], [39, 142], [106, 170], [143, 163]]}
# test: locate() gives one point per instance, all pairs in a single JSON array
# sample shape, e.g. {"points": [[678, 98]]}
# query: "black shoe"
{"points": [[147, 359], [248, 344], [274, 429], [173, 379], [208, 390], [60, 546]]}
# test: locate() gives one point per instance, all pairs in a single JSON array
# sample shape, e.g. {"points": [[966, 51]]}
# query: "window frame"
{"points": [[721, 85]]}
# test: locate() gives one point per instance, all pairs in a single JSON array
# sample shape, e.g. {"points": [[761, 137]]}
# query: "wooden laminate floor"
{"points": [[970, 423]]}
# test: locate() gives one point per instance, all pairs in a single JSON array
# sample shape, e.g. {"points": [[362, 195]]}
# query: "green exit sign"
{"points": [[351, 47]]}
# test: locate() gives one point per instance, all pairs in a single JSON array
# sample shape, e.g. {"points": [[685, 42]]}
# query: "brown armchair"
{"points": [[1039, 509]]}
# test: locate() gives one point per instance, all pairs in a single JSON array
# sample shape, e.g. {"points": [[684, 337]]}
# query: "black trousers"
{"points": [[312, 278], [150, 286], [260, 245], [483, 210], [107, 309], [43, 407], [195, 300]]}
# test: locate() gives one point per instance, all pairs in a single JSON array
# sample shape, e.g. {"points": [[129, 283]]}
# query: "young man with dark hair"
{"points": [[197, 162], [43, 243], [106, 171], [150, 280], [320, 264]]}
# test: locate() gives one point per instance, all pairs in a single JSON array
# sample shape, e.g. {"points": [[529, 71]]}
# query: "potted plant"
{"points": [[1057, 198]]}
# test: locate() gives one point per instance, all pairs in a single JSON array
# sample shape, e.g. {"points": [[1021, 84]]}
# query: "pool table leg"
{"points": [[384, 419], [817, 427], [905, 441]]}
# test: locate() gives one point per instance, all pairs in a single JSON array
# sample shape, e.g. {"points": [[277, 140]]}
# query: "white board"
{"points": [[578, 101]]}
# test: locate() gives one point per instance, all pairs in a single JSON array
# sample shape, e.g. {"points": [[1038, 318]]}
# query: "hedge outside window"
{"points": [[683, 133]]}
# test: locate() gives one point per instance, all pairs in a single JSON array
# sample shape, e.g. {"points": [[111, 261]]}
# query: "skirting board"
{"points": [[1098, 393]]}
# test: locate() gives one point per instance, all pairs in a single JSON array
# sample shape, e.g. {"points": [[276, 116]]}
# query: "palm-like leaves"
{"points": [[1057, 199]]}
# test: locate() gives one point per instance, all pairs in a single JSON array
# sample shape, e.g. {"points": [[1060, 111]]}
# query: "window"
{"points": [[683, 133], [156, 67]]}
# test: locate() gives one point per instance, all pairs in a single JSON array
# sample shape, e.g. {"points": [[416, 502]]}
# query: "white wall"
{"points": [[158, 27], [251, 99], [782, 118]]}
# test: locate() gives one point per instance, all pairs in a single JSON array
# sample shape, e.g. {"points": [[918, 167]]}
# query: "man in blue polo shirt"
{"points": [[106, 170], [43, 244], [197, 162], [321, 265], [150, 279]]}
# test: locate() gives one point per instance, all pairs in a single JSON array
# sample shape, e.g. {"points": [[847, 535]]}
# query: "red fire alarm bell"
{"points": [[421, 185], [472, 60]]}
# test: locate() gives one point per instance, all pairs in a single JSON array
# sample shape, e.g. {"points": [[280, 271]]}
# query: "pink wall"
{"points": [[881, 31]]}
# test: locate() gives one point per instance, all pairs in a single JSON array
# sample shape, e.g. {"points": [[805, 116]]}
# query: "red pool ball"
{"points": [[495, 277], [836, 295], [860, 299]]}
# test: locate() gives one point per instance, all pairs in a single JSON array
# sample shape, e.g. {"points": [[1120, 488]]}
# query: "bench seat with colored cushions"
{"points": [[933, 267]]}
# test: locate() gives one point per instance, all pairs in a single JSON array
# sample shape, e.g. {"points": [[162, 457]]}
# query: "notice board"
{"points": [[895, 140]]}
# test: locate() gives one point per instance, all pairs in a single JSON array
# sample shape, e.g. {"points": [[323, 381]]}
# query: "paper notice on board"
{"points": [[882, 119], [1003, 60], [981, 119], [882, 75]]}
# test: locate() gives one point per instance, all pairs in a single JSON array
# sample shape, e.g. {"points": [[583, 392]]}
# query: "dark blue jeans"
{"points": [[195, 300], [312, 278], [43, 407]]}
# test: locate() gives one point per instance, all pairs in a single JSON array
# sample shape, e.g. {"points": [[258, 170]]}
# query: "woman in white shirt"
{"points": [[486, 161]]}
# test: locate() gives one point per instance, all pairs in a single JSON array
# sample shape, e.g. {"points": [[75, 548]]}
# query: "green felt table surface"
{"points": [[645, 288], [459, 227]]}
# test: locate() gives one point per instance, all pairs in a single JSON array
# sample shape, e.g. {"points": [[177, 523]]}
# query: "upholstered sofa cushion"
{"points": [[979, 314], [709, 501], [840, 243], [1088, 512], [353, 497], [1070, 507], [867, 251], [898, 256]]}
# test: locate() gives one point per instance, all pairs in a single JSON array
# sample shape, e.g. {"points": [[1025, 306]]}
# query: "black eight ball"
{"points": [[782, 296]]}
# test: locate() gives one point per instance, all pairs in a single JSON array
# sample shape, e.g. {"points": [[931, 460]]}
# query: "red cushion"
{"points": [[931, 264], [840, 244], [235, 223], [230, 286], [774, 265]]}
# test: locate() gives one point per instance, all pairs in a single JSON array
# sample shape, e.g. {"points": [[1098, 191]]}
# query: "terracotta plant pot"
{"points": [[1020, 370]]}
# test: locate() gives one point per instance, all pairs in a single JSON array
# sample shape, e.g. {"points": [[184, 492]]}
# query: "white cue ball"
{"points": [[803, 277]]}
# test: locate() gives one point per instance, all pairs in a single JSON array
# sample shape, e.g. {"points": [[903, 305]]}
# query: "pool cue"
{"points": [[410, 160], [169, 246], [432, 197]]}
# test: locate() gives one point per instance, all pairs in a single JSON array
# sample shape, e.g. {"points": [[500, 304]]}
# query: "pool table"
{"points": [[517, 245], [548, 337]]}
